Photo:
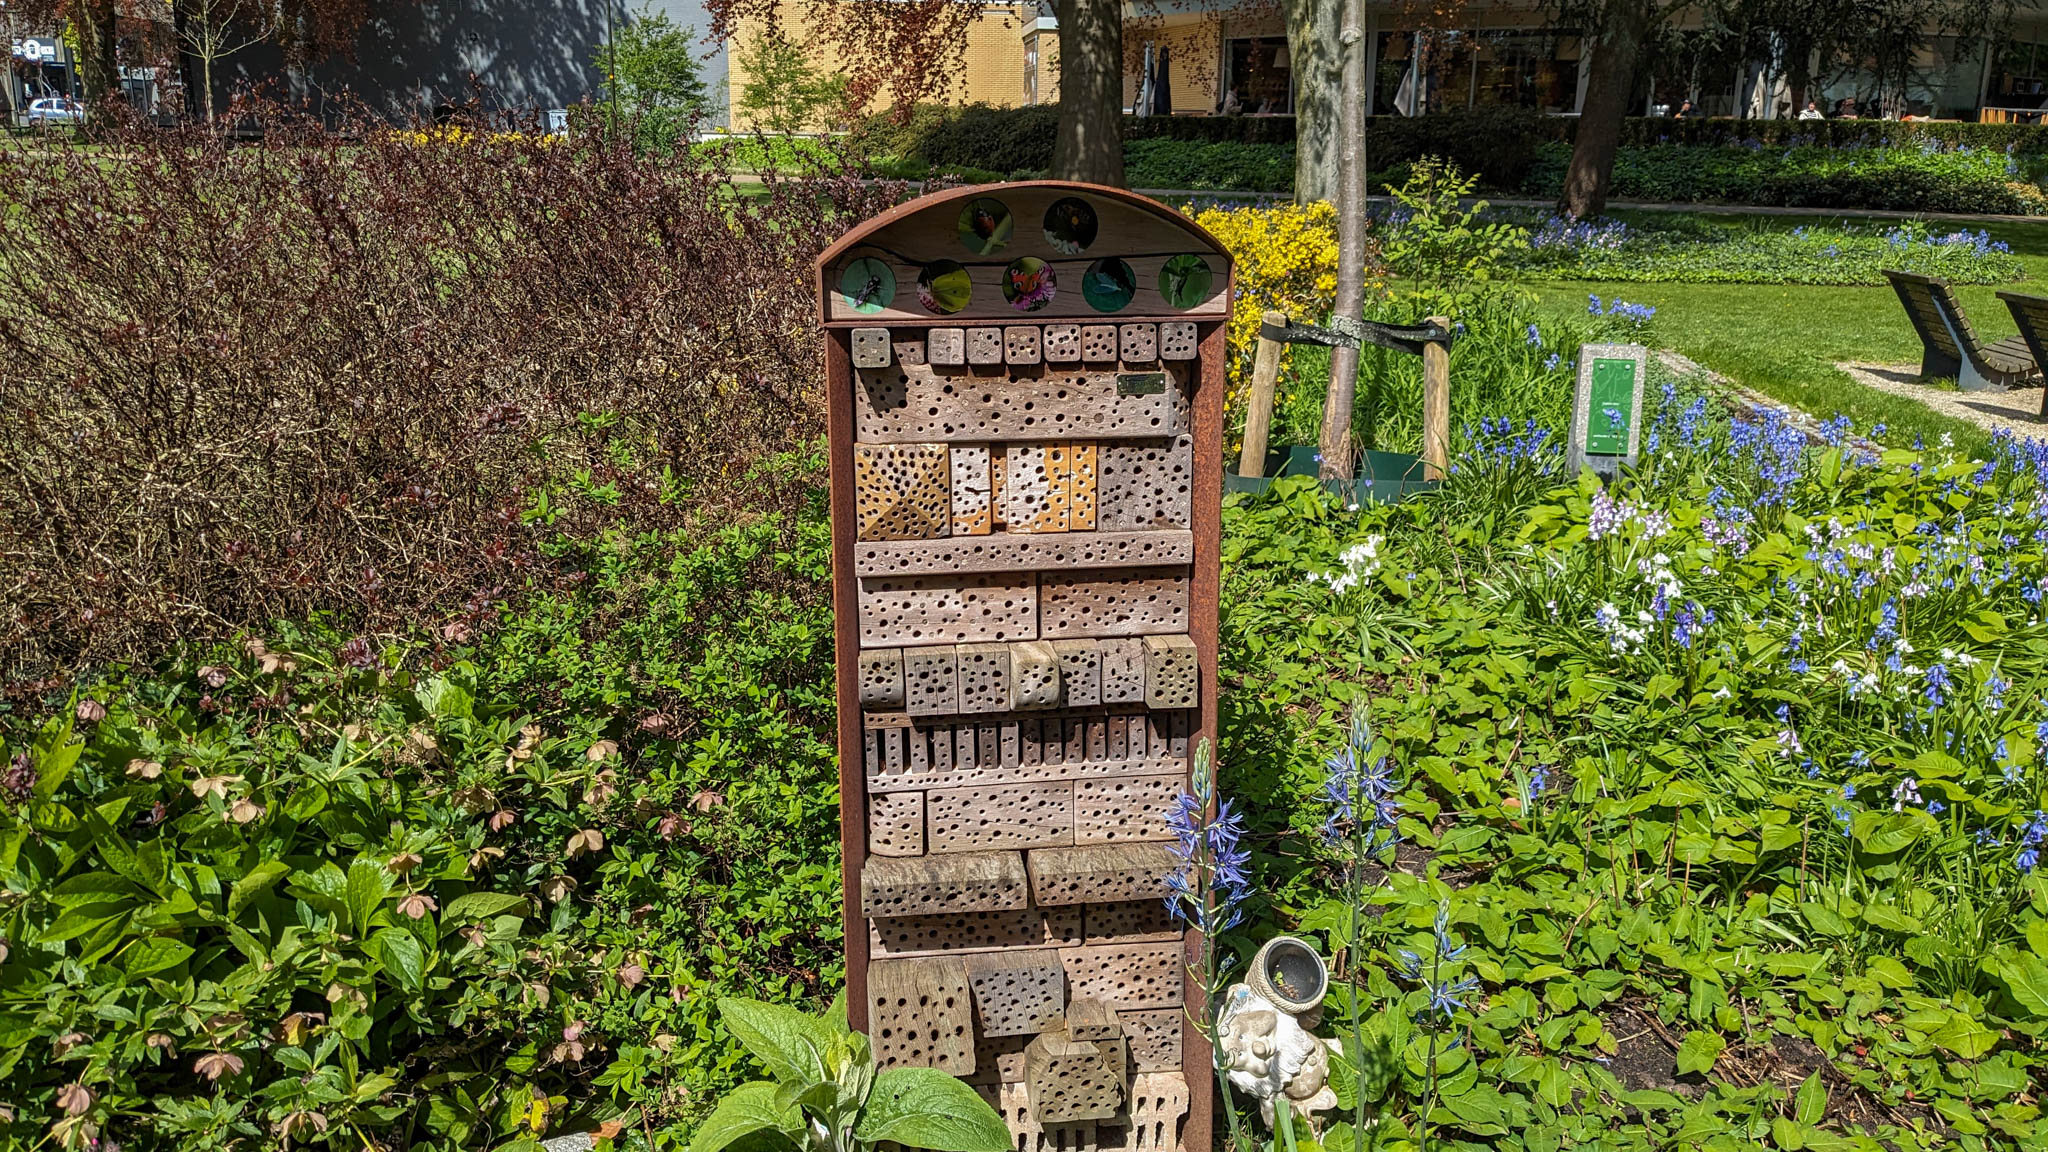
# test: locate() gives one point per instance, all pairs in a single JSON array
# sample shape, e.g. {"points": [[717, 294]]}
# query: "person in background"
{"points": [[1846, 110], [1685, 112], [1231, 104], [1812, 112]]}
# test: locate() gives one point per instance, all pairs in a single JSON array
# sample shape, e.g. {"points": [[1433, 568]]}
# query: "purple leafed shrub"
{"points": [[372, 371]]}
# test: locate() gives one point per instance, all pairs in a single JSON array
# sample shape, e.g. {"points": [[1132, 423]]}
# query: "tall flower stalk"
{"points": [[1363, 823], [1208, 894], [1444, 994]]}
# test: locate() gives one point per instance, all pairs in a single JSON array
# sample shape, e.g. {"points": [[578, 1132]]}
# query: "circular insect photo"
{"points": [[985, 226], [1028, 284], [867, 285], [943, 287], [1070, 225], [1109, 284], [1185, 279]]}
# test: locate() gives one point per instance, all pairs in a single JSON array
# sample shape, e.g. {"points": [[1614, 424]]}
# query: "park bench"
{"points": [[2031, 314], [1949, 345]]}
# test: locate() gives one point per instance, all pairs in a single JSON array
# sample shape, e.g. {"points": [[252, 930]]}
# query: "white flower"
{"points": [[1722, 693]]}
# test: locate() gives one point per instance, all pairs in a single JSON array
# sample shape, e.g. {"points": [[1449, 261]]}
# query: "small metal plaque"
{"points": [[1140, 383]]}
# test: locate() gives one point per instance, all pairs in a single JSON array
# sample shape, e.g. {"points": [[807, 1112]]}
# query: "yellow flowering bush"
{"points": [[1286, 257]]}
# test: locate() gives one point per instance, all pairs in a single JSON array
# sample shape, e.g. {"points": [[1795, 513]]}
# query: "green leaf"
{"points": [[1786, 1134], [790, 1043], [154, 954], [2026, 977], [1889, 918], [474, 906], [1824, 920], [1810, 1103], [402, 955], [81, 920], [925, 1108], [743, 1112], [1884, 833], [254, 883], [368, 885], [94, 888], [1964, 1036], [1698, 1051]]}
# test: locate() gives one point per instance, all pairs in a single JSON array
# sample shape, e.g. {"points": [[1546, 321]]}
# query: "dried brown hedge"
{"points": [[331, 372]]}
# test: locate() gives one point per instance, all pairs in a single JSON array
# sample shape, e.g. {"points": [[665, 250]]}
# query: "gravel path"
{"points": [[2017, 411]]}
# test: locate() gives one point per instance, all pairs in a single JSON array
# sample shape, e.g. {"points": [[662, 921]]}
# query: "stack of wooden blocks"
{"points": [[1027, 687]]}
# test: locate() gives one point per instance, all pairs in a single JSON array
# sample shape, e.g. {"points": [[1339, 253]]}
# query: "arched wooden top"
{"points": [[1110, 254]]}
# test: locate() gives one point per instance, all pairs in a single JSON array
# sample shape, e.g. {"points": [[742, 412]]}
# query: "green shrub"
{"points": [[1187, 164], [1903, 178], [429, 895]]}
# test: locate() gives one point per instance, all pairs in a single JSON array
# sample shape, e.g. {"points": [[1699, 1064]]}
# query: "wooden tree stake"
{"points": [[1258, 412], [1436, 405]]}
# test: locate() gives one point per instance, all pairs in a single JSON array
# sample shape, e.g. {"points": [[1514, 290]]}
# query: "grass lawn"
{"points": [[1784, 341]]}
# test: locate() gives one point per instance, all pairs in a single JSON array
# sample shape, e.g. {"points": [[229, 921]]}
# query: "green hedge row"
{"points": [[1501, 144]]}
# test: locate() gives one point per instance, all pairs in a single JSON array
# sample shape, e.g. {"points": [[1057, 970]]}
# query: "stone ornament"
{"points": [[1261, 1038]]}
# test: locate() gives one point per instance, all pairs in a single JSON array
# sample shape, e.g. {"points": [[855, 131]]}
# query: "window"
{"points": [[1260, 74]]}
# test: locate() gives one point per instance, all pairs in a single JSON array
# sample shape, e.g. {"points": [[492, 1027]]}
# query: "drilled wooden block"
{"points": [[1062, 343], [870, 347], [984, 346], [1080, 672], [902, 491], [1012, 1101], [1100, 873], [1059, 467], [1172, 677], [1034, 683], [1177, 744], [1145, 485], [1155, 1038], [881, 678], [915, 404], [1129, 922], [1006, 553], [946, 347], [887, 753], [973, 515], [912, 611], [1021, 344], [1151, 1121], [929, 885], [980, 819], [1121, 809], [896, 824], [1082, 486], [1139, 343], [1126, 975], [931, 680], [1018, 993], [1034, 488], [920, 1014], [1089, 1019], [1070, 1080], [1138, 602], [1098, 343], [984, 678], [1123, 670], [999, 1060], [962, 932], [1177, 340], [908, 349]]}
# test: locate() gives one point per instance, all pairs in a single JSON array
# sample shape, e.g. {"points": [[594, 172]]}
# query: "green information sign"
{"points": [[1613, 399]]}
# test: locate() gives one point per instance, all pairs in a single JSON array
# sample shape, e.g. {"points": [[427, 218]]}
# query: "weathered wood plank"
{"points": [[927, 885], [1100, 873], [914, 404], [1007, 553], [979, 820], [911, 611], [1139, 602]]}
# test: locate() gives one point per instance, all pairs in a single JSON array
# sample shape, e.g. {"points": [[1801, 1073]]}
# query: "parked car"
{"points": [[54, 110]]}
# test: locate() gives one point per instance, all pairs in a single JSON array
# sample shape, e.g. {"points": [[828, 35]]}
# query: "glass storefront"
{"points": [[1259, 74]]}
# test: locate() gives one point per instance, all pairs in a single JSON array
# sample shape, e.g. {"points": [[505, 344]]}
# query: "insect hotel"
{"points": [[1026, 386]]}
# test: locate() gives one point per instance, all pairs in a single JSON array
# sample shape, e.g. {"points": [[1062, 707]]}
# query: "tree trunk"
{"points": [[1334, 444], [1607, 92], [1090, 141], [97, 70], [1312, 31]]}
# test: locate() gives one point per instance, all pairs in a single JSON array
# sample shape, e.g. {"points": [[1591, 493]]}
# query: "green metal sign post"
{"points": [[1607, 411]]}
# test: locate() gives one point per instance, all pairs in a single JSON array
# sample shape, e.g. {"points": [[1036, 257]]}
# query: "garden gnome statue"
{"points": [[1267, 1049]]}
